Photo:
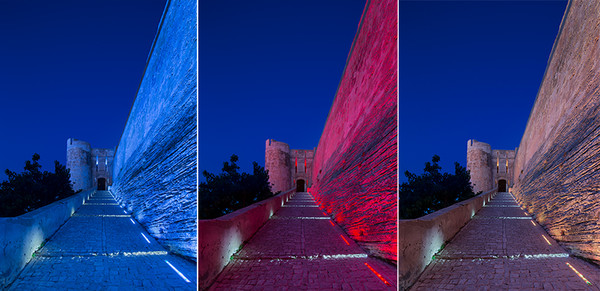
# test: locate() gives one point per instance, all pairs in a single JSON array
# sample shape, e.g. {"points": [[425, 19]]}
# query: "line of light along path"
{"points": [[102, 247], [300, 248], [503, 248]]}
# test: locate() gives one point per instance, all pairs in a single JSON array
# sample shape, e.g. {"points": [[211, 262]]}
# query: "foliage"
{"points": [[433, 190], [230, 190], [33, 188]]}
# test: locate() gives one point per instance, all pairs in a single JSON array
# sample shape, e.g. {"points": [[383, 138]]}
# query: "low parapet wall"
{"points": [[421, 238], [221, 237], [21, 236]]}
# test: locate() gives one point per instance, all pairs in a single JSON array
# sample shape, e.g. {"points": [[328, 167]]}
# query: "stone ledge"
{"points": [[21, 236], [221, 237], [421, 238]]}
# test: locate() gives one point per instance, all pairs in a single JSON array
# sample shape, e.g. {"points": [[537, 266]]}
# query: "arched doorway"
{"points": [[300, 185], [501, 185], [101, 184]]}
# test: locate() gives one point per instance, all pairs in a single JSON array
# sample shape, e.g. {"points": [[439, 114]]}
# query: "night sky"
{"points": [[468, 70], [69, 69], [268, 69]]}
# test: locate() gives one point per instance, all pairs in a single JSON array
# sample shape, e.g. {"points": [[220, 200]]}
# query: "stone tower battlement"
{"points": [[288, 168], [277, 162], [89, 167], [79, 162], [490, 168]]}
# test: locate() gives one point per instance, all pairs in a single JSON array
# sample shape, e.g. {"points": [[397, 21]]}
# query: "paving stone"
{"points": [[94, 252], [496, 252], [293, 252]]}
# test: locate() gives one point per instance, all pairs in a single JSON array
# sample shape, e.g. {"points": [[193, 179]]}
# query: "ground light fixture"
{"points": [[546, 239], [579, 274], [378, 275], [145, 237], [344, 239], [179, 273]]}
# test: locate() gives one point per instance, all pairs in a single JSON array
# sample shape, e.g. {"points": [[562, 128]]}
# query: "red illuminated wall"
{"points": [[354, 170]]}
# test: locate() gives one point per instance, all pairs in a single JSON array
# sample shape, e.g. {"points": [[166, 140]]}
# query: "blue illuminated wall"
{"points": [[155, 162]]}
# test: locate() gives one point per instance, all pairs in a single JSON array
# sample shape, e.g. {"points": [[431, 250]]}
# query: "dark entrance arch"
{"points": [[300, 185], [501, 185], [101, 184]]}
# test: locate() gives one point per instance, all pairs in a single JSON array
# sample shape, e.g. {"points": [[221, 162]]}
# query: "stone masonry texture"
{"points": [[101, 247], [502, 248], [354, 169], [277, 163], [557, 166], [79, 163], [300, 248], [479, 163], [155, 161]]}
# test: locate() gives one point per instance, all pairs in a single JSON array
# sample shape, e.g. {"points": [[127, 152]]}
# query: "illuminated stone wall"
{"points": [[354, 168], [488, 166], [479, 162], [87, 164], [557, 166], [155, 163], [79, 163], [502, 167], [102, 165], [277, 163], [301, 169], [287, 166]]}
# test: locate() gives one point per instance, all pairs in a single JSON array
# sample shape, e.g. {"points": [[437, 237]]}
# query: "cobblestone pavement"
{"points": [[300, 248], [101, 247], [502, 248]]}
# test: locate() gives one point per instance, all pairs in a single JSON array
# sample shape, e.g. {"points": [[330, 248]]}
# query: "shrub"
{"points": [[433, 190], [229, 191], [33, 188]]}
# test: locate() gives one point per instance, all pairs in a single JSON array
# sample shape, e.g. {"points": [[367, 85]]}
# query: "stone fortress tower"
{"points": [[490, 169], [288, 168], [79, 162], [90, 167]]}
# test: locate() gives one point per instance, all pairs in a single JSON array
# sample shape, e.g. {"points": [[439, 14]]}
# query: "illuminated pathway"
{"points": [[102, 248], [503, 248], [300, 248]]}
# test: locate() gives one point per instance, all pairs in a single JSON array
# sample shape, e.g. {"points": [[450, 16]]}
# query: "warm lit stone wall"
{"points": [[155, 163], [502, 167], [557, 167], [354, 169], [479, 163]]}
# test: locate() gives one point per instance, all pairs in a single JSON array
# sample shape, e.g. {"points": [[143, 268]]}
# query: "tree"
{"points": [[231, 190], [33, 188], [433, 190]]}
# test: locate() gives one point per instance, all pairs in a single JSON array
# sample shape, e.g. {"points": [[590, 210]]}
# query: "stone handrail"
{"points": [[21, 236], [221, 237], [421, 238]]}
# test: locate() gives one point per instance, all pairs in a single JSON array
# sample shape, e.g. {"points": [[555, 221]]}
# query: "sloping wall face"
{"points": [[155, 162], [557, 167], [354, 170]]}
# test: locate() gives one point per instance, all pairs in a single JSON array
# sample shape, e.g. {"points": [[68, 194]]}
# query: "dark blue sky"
{"points": [[469, 69], [69, 69], [268, 69]]}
